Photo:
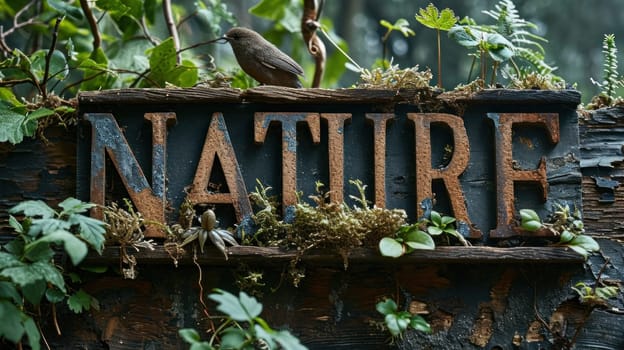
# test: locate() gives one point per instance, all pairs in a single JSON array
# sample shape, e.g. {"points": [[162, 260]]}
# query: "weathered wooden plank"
{"points": [[159, 96], [39, 171], [271, 255], [510, 96], [602, 164]]}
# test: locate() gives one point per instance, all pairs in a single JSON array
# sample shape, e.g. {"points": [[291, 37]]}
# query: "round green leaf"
{"points": [[419, 240], [434, 230], [566, 236], [529, 215], [531, 225], [390, 247], [386, 307]]}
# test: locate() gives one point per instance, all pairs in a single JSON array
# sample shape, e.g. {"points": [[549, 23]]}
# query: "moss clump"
{"points": [[537, 81], [394, 78], [322, 224]]}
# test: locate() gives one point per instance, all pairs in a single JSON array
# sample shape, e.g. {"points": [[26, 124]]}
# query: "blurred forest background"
{"points": [[574, 29], [131, 29]]}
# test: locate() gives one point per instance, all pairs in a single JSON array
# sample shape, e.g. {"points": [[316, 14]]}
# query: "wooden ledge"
{"points": [[271, 255], [280, 95]]}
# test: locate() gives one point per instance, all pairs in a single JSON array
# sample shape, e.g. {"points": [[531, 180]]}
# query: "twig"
{"points": [[172, 28], [55, 319], [201, 293], [97, 41], [43, 89], [148, 36], [16, 25]]}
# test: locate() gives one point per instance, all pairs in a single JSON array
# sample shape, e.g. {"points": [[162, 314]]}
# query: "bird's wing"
{"points": [[283, 62]]}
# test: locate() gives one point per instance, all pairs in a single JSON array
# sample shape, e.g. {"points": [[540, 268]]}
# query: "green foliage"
{"points": [[564, 223], [443, 225], [27, 270], [611, 77], [511, 41], [432, 18], [401, 25], [406, 240], [595, 295], [397, 322], [242, 328], [120, 51]]}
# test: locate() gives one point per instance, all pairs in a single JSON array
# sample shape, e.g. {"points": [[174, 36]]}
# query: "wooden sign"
{"points": [[481, 158]]}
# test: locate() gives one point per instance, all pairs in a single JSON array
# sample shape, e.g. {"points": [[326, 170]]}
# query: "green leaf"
{"points": [[607, 292], [8, 291], [189, 335], [33, 208], [91, 230], [390, 247], [386, 307], [22, 275], [162, 60], [465, 36], [401, 25], [11, 326], [15, 224], [79, 301], [38, 250], [419, 324], [529, 215], [434, 230], [287, 340], [11, 125], [75, 206], [39, 113], [396, 324], [66, 8], [50, 274], [57, 69], [239, 309], [32, 332], [430, 17], [8, 260], [447, 220], [33, 292], [436, 218], [585, 242], [232, 338], [74, 247], [531, 225], [45, 226], [54, 295], [419, 240], [566, 236]]}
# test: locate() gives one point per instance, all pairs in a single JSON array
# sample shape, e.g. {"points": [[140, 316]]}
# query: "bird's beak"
{"points": [[222, 40]]}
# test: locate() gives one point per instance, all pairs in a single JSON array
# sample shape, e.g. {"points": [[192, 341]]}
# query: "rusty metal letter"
{"points": [[107, 138], [380, 121], [289, 144], [335, 145], [218, 144], [425, 174], [506, 175]]}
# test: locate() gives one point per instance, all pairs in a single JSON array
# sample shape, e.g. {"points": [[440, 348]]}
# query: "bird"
{"points": [[262, 60]]}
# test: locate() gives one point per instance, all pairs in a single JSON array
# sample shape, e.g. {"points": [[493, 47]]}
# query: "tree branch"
{"points": [[172, 28], [43, 90], [16, 25], [97, 41]]}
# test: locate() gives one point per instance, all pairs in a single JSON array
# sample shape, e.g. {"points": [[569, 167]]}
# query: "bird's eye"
{"points": [[235, 36]]}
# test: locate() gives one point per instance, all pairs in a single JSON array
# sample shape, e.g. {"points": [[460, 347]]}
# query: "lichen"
{"points": [[394, 78]]}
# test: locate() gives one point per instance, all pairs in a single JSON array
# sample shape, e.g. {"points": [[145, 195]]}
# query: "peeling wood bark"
{"points": [[602, 163]]}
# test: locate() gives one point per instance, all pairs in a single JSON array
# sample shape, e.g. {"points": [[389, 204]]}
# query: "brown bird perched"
{"points": [[262, 60]]}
